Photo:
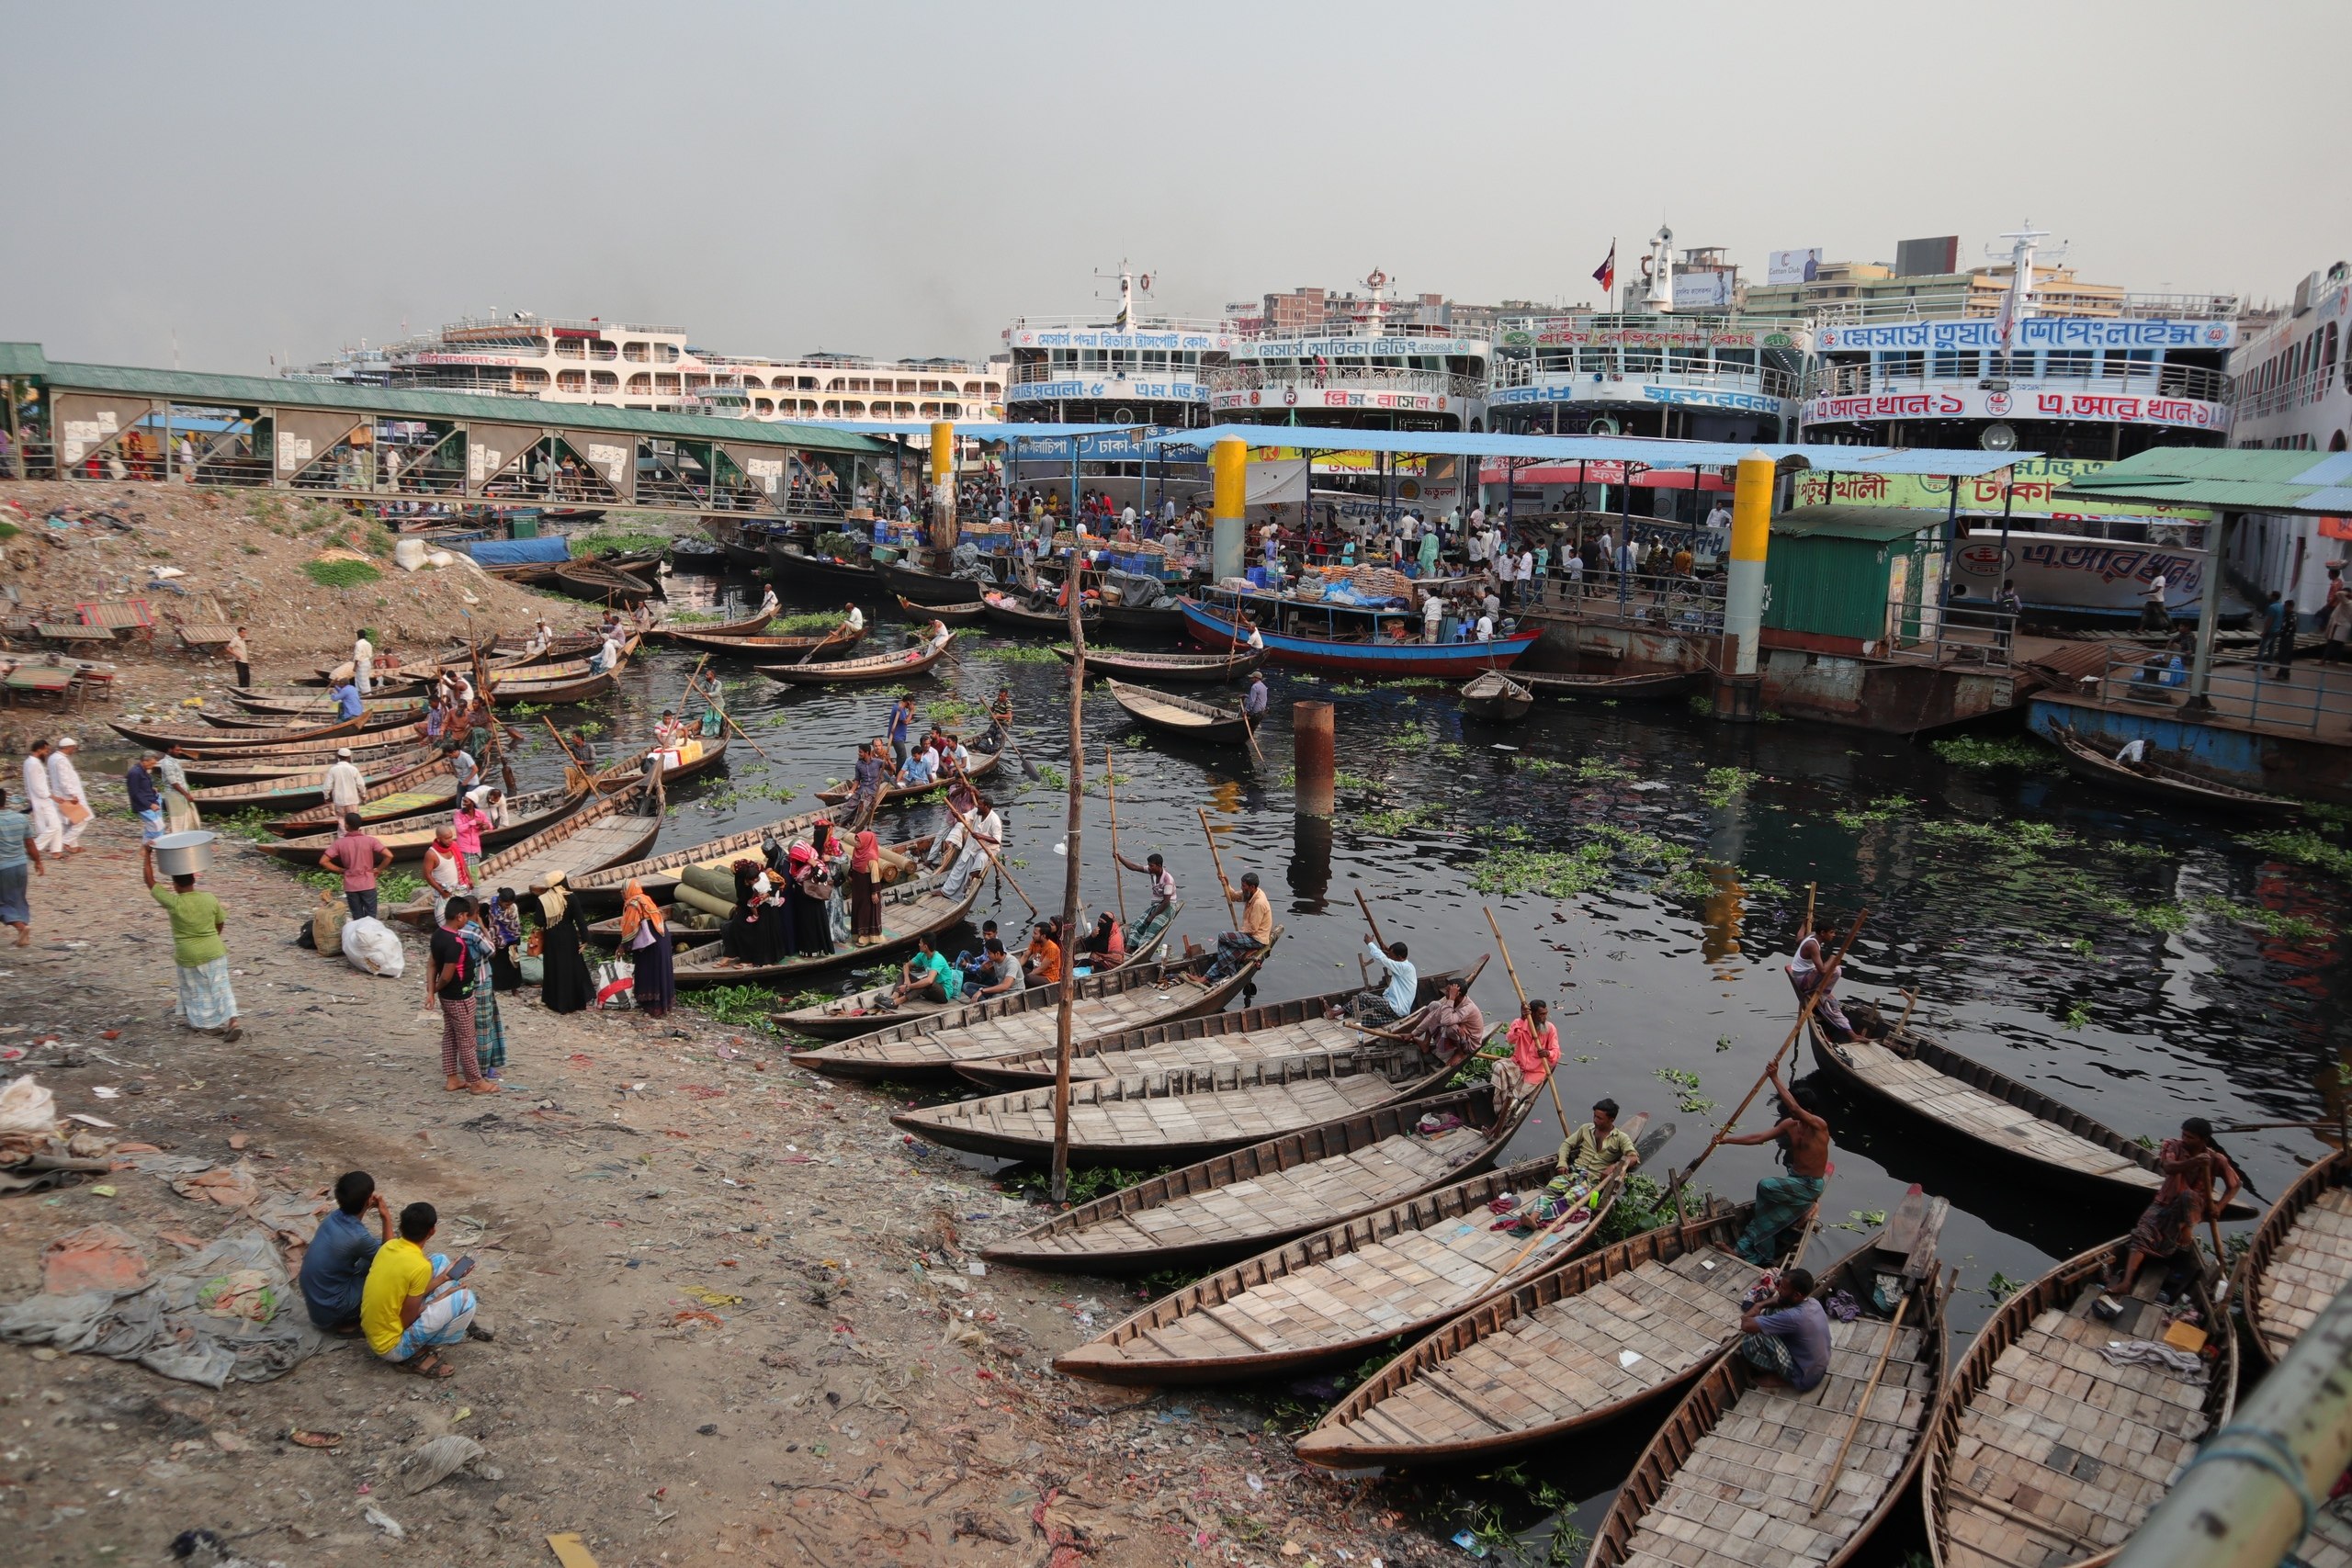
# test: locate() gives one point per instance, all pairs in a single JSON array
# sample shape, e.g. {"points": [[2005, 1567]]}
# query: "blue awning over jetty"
{"points": [[1647, 453]]}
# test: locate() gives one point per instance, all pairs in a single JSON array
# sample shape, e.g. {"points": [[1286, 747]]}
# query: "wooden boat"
{"points": [[1618, 1328], [608, 930], [554, 694], [618, 774], [458, 661], [1177, 1117], [749, 625], [601, 582], [1186, 716], [526, 685], [1192, 667], [862, 1013], [2300, 1258], [924, 586], [826, 645], [204, 739], [1342, 1291], [659, 874], [916, 909], [1738, 1465], [1194, 1042], [311, 707], [527, 815], [428, 787], [279, 792], [1656, 683], [799, 568], [213, 773], [1006, 610], [226, 767], [930, 1046], [960, 613], [878, 667], [1269, 1193], [1919, 1075], [1999, 1489], [604, 833], [1221, 627], [2156, 780], [1496, 697], [1164, 619], [982, 764]]}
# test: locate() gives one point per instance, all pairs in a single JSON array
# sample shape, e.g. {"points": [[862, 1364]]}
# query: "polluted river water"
{"points": [[1648, 867]]}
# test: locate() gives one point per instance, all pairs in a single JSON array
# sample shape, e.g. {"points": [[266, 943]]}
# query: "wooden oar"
{"points": [[727, 718], [1219, 861], [1370, 921], [826, 642], [1837, 1464], [972, 835], [1550, 1075], [588, 772], [1119, 867]]}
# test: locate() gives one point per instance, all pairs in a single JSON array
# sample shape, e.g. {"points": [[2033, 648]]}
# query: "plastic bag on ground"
{"points": [[26, 1107], [371, 947]]}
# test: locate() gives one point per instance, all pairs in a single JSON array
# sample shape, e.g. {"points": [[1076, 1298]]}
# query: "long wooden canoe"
{"points": [[658, 874], [2300, 1258], [1916, 1075], [607, 931], [1201, 1044], [862, 1013], [1177, 1118], [1618, 1328], [393, 754], [1494, 695], [526, 813], [1998, 1489], [1189, 667], [505, 670], [1186, 716], [1737, 1464], [604, 833], [960, 613], [878, 667], [1342, 1291], [828, 644], [2156, 780], [916, 909], [282, 791], [199, 739], [1007, 610], [983, 763], [930, 1046], [428, 787], [1657, 683], [1269, 1193], [246, 745], [591, 579], [748, 626]]}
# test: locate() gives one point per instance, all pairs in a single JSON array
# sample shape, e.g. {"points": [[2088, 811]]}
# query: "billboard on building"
{"points": [[1921, 258], [1707, 290], [1793, 267]]}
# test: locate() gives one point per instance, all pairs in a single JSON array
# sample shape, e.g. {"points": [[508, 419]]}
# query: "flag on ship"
{"points": [[1605, 274]]}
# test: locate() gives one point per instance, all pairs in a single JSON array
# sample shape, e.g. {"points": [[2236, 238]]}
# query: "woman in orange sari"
{"points": [[645, 940]]}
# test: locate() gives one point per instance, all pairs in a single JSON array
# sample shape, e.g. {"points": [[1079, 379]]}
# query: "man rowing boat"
{"points": [[1782, 1201]]}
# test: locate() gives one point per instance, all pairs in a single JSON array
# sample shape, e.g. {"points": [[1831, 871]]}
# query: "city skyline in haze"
{"points": [[905, 179]]}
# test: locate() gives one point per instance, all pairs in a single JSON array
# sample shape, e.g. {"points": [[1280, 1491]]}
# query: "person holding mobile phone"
{"points": [[412, 1305]]}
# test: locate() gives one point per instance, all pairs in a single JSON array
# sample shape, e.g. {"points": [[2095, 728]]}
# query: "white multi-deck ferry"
{"points": [[2294, 393], [2094, 376], [1136, 369], [633, 366], [1373, 371]]}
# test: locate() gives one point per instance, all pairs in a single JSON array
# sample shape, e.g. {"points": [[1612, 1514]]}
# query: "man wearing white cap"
{"points": [[344, 786], [65, 785], [41, 802]]}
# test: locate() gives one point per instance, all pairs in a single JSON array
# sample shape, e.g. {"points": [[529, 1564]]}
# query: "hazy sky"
{"points": [[902, 178]]}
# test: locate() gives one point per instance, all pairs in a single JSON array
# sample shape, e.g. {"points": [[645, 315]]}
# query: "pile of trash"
{"points": [[37, 1149]]}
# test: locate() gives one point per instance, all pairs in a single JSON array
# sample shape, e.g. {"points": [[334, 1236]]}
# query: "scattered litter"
{"points": [[570, 1551], [383, 1521], [303, 1438], [713, 1298], [96, 1258], [435, 1460], [231, 1188]]}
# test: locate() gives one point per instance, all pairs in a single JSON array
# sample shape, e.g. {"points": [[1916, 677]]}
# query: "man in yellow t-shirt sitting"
{"points": [[411, 1304]]}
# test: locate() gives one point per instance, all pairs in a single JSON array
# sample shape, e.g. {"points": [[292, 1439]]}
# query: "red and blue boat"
{"points": [[1356, 637]]}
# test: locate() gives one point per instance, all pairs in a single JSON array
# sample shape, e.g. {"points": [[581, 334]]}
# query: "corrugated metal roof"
{"points": [[22, 360], [398, 402], [1966, 463], [1880, 524], [2223, 479]]}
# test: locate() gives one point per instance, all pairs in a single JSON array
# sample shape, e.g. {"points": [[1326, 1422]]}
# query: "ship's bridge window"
{"points": [[1094, 359], [1735, 358], [1155, 359], [2067, 362], [1597, 361], [1895, 365], [1686, 361], [1641, 362], [1949, 365]]}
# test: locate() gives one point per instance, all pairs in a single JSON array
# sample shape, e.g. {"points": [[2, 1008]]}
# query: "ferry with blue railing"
{"points": [[1709, 378]]}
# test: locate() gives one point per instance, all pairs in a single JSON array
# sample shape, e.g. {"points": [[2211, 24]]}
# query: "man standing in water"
{"points": [[1782, 1201]]}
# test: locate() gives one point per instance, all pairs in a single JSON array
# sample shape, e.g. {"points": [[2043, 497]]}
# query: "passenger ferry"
{"points": [[1712, 378], [2294, 393], [640, 366], [1133, 369], [1379, 373], [2115, 374]]}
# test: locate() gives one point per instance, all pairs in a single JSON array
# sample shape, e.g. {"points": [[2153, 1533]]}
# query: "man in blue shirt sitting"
{"points": [[335, 1269], [1788, 1341], [1389, 999], [348, 701]]}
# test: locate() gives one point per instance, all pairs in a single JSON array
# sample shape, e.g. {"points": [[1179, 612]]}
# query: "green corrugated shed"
{"points": [[22, 360], [2224, 479], [394, 402], [1829, 569]]}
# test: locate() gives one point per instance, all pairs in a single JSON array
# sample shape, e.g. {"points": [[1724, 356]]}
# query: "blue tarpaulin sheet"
{"points": [[520, 552]]}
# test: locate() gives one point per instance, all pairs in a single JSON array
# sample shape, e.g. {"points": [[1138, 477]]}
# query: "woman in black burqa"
{"points": [[564, 985]]}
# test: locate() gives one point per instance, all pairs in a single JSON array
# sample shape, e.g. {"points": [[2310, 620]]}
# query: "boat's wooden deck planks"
{"points": [[1972, 1111], [2061, 1435], [2311, 1266], [1216, 1051], [1248, 1114], [1570, 1357], [1744, 1493], [1032, 1030], [1321, 1191]]}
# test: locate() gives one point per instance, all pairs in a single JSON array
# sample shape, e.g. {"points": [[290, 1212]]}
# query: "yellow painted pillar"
{"points": [[1228, 507], [942, 484], [1751, 534]]}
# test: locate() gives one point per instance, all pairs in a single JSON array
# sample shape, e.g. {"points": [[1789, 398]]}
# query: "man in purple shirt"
{"points": [[1788, 1341]]}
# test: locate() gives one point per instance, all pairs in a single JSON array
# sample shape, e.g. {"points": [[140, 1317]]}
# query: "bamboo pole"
{"points": [[729, 719], [1550, 1075], [1218, 861], [1069, 890], [1118, 866], [1829, 1481], [973, 836], [1370, 921]]}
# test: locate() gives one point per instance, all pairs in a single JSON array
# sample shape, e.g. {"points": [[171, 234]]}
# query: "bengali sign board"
{"points": [[1336, 398], [1962, 401], [1589, 390], [2034, 332]]}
